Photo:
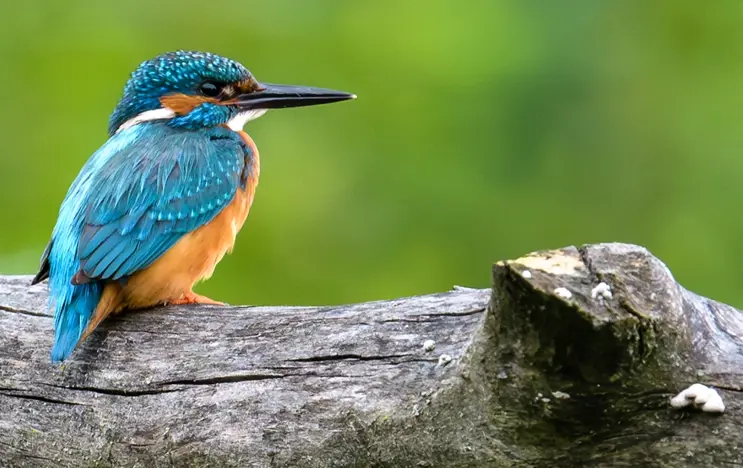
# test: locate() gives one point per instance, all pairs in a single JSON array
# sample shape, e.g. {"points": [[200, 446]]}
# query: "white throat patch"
{"points": [[155, 114], [238, 122]]}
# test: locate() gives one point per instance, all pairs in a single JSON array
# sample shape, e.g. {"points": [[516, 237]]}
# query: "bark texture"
{"points": [[543, 370]]}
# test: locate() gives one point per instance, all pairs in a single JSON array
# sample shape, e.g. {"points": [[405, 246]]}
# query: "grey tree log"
{"points": [[535, 379]]}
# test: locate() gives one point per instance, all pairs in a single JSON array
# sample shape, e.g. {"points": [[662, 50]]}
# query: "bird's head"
{"points": [[200, 90]]}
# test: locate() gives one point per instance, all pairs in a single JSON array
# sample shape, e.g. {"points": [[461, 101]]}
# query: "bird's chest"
{"points": [[249, 181], [229, 222], [205, 247]]}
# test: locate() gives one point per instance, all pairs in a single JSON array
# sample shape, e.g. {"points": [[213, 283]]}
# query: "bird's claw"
{"points": [[193, 298]]}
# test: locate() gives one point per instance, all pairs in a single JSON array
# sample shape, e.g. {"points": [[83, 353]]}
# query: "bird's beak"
{"points": [[277, 96]]}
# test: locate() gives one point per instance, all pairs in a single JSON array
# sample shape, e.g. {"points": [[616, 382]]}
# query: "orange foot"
{"points": [[193, 298]]}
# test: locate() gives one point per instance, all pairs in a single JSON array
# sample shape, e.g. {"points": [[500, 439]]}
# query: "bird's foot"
{"points": [[193, 298]]}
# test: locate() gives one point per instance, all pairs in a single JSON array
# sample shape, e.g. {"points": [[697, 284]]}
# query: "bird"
{"points": [[160, 203]]}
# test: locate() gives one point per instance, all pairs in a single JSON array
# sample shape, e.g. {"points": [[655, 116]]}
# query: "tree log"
{"points": [[544, 370]]}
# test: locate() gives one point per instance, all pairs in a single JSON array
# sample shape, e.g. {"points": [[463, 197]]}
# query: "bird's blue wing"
{"points": [[164, 184]]}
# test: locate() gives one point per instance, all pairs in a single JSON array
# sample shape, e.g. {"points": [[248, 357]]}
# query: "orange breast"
{"points": [[195, 255]]}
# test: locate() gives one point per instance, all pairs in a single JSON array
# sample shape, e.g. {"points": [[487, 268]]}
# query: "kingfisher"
{"points": [[155, 208]]}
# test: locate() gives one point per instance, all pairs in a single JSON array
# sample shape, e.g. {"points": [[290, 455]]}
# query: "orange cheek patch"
{"points": [[182, 104]]}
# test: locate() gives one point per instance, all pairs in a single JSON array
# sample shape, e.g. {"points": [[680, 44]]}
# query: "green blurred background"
{"points": [[483, 130]]}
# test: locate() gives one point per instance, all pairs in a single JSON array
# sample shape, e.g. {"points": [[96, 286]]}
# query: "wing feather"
{"points": [[152, 192]]}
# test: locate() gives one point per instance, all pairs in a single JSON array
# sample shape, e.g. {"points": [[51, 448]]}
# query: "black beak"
{"points": [[276, 96]]}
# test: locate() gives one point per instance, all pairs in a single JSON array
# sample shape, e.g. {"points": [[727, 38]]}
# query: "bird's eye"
{"points": [[209, 89]]}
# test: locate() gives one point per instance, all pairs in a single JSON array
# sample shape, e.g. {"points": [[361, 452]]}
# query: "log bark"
{"points": [[535, 378]]}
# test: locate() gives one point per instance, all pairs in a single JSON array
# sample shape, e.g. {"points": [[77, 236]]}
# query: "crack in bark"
{"points": [[140, 445], [728, 388], [147, 332], [625, 306], [23, 312], [454, 314], [399, 320], [227, 379], [187, 382], [157, 391], [39, 398], [583, 252], [429, 318], [346, 357], [118, 392]]}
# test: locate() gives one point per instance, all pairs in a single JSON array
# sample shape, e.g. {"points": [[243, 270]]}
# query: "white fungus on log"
{"points": [[700, 396], [563, 293], [602, 290]]}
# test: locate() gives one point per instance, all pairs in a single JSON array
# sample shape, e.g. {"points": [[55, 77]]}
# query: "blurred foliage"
{"points": [[484, 129]]}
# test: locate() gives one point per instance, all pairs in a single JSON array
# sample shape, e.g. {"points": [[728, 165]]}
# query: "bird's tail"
{"points": [[73, 310]]}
